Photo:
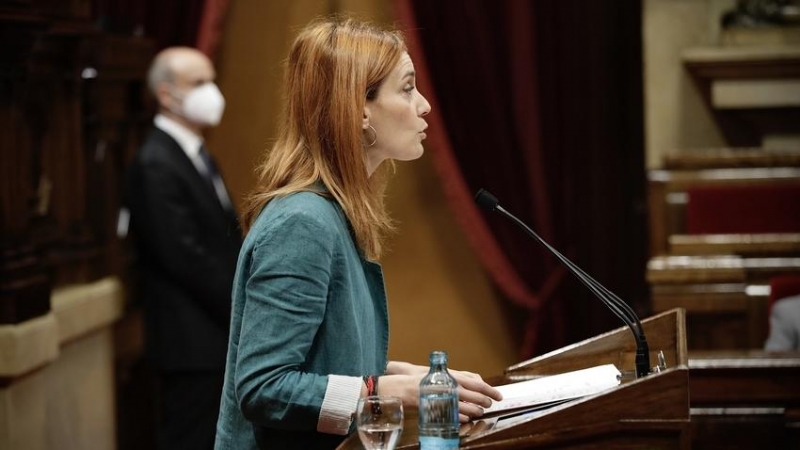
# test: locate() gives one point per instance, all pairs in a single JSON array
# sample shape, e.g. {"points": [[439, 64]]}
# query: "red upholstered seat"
{"points": [[743, 209]]}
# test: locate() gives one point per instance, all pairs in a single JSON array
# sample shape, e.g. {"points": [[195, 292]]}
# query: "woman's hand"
{"points": [[402, 380], [474, 395]]}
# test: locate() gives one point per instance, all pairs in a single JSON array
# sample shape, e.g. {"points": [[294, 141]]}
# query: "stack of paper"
{"points": [[556, 388]]}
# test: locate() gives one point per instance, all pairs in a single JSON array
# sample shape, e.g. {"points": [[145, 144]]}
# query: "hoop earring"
{"points": [[375, 139]]}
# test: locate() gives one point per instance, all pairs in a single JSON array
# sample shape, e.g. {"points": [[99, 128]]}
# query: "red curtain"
{"points": [[212, 25], [540, 103]]}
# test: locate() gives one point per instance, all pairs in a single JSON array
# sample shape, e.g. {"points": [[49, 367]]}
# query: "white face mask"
{"points": [[203, 105]]}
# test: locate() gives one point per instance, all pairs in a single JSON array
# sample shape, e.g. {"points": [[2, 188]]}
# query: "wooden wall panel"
{"points": [[71, 101]]}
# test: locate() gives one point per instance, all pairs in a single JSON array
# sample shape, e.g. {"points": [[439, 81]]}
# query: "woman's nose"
{"points": [[426, 107]]}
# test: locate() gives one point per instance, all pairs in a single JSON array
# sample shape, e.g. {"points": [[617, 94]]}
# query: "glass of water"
{"points": [[379, 421]]}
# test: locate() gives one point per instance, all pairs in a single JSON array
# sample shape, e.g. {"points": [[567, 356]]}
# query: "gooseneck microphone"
{"points": [[489, 202]]}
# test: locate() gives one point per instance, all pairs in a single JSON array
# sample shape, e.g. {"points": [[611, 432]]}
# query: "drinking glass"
{"points": [[380, 421]]}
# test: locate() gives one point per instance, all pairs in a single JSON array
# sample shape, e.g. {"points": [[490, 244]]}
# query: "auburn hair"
{"points": [[335, 66]]}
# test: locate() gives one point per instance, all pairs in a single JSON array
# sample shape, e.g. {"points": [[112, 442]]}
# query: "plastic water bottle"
{"points": [[438, 407]]}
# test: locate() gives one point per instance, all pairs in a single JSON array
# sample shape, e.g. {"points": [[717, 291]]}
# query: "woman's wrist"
{"points": [[404, 368], [393, 367], [371, 383]]}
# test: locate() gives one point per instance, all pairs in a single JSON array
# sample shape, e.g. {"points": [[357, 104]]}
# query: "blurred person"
{"points": [[309, 332], [784, 325], [187, 238]]}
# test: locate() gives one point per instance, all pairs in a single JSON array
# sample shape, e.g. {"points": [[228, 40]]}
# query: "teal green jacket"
{"points": [[306, 305]]}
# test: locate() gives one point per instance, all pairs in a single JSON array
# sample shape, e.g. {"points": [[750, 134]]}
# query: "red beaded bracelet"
{"points": [[371, 381]]}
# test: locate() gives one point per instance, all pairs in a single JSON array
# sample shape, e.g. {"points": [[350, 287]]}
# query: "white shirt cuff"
{"points": [[339, 404]]}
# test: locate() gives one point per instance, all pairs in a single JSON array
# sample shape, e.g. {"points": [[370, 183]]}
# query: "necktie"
{"points": [[211, 174]]}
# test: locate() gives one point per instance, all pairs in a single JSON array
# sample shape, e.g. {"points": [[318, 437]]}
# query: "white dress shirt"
{"points": [[190, 143]]}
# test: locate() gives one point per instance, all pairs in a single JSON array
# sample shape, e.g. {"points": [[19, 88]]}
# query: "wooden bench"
{"points": [[668, 196], [744, 400], [723, 223], [726, 297], [759, 244]]}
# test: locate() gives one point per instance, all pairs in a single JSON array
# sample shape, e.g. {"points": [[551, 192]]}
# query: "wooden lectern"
{"points": [[651, 412]]}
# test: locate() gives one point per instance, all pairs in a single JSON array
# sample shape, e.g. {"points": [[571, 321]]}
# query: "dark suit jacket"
{"points": [[187, 246]]}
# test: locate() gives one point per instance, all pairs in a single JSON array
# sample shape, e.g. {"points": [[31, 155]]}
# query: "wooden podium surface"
{"points": [[651, 412]]}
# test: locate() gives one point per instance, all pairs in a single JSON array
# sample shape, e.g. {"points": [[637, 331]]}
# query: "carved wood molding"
{"points": [[746, 126], [742, 62], [716, 158]]}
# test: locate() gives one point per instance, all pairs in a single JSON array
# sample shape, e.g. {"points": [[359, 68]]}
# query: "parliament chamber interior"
{"points": [[656, 143]]}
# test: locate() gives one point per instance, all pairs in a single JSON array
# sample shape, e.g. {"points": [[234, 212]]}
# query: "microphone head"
{"points": [[486, 200]]}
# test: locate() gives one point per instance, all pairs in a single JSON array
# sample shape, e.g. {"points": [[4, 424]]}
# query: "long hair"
{"points": [[335, 65]]}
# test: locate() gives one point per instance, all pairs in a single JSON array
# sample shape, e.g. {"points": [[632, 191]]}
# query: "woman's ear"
{"points": [[365, 118]]}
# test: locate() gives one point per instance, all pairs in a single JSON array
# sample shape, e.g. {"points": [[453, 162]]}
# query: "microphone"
{"points": [[489, 202]]}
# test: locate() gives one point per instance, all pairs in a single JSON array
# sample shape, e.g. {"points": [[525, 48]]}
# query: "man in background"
{"points": [[187, 238], [784, 334]]}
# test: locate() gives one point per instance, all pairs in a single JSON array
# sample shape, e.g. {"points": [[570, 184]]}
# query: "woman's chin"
{"points": [[414, 154]]}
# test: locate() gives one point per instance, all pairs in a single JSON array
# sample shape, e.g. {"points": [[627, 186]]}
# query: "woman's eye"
{"points": [[408, 88]]}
